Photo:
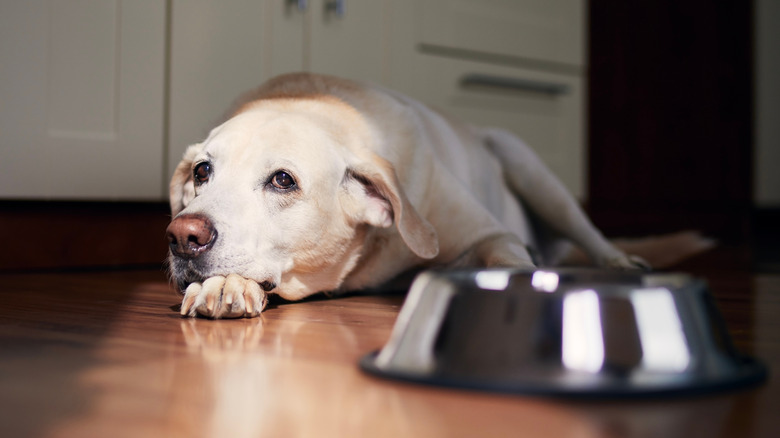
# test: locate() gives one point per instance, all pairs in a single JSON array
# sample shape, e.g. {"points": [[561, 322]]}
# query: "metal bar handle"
{"points": [[302, 5], [337, 7], [516, 84]]}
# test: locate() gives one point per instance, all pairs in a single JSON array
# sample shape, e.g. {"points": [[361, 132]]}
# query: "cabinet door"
{"points": [[218, 51], [351, 42], [81, 99]]}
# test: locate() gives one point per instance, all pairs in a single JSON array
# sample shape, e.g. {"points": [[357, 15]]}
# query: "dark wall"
{"points": [[670, 138]]}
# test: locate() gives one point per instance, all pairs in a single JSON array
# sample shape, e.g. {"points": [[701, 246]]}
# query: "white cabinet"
{"points": [[766, 182], [81, 99], [515, 64], [99, 98]]}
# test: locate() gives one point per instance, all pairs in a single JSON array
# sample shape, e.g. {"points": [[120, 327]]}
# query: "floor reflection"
{"points": [[254, 382]]}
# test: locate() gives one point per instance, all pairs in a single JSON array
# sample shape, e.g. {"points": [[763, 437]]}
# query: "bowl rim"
{"points": [[750, 372]]}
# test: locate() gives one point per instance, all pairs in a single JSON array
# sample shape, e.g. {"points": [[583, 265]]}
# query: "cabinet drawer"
{"points": [[543, 109], [540, 30]]}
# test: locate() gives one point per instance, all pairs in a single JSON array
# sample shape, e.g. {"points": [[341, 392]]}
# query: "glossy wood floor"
{"points": [[107, 355]]}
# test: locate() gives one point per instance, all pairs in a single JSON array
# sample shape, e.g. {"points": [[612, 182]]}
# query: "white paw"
{"points": [[626, 262], [224, 297]]}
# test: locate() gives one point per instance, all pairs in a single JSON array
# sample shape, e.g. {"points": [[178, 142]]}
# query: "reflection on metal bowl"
{"points": [[563, 332]]}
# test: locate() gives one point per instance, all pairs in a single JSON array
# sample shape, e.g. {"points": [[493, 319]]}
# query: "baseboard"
{"points": [[67, 235], [62, 235]]}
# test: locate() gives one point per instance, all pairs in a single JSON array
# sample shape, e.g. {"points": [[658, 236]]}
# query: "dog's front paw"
{"points": [[224, 297], [627, 262]]}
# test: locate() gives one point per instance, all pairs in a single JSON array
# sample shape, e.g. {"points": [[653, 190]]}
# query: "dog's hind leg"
{"points": [[549, 200]]}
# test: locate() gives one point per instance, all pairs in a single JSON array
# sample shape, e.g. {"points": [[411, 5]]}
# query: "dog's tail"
{"points": [[667, 250], [661, 251]]}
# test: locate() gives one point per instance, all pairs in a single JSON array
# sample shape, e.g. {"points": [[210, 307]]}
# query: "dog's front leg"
{"points": [[224, 297]]}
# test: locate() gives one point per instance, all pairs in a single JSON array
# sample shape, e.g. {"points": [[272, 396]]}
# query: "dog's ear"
{"points": [[375, 197], [182, 187]]}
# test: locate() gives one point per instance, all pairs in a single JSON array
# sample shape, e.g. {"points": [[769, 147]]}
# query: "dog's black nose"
{"points": [[190, 235]]}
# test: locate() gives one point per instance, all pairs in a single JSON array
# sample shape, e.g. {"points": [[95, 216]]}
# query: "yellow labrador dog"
{"points": [[316, 184]]}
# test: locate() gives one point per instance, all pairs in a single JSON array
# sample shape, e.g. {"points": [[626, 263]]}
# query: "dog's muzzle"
{"points": [[190, 236]]}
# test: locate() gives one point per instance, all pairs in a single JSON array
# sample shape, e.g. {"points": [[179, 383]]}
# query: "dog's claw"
{"points": [[249, 308], [627, 262], [255, 299], [212, 289], [192, 292]]}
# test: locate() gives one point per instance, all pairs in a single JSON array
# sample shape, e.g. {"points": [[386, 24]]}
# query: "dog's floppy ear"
{"points": [[376, 198], [182, 187]]}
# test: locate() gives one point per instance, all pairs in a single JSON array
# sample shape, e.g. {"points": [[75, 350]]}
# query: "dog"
{"points": [[321, 184]]}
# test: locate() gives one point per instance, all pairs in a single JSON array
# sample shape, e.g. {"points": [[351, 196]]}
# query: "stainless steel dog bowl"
{"points": [[563, 333]]}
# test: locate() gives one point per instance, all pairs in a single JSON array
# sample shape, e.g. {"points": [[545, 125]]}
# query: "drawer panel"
{"points": [[542, 30], [543, 109]]}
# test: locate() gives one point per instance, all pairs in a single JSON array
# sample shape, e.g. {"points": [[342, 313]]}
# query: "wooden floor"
{"points": [[105, 354]]}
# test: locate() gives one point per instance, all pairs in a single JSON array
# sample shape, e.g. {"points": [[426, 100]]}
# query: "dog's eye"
{"points": [[202, 172], [282, 180]]}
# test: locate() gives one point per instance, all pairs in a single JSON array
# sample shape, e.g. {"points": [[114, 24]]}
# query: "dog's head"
{"points": [[285, 194]]}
